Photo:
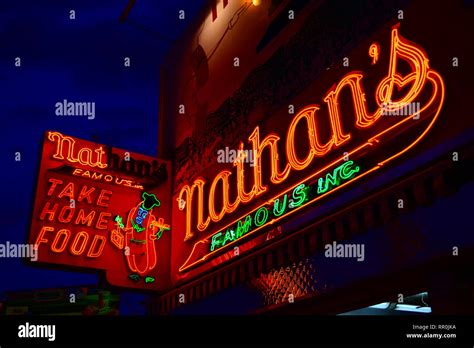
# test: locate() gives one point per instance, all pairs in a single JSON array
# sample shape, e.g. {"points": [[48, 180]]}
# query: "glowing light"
{"points": [[189, 191], [84, 156], [149, 280], [116, 237], [343, 172], [118, 220], [243, 228], [299, 196], [81, 235], [317, 149], [93, 253], [220, 239], [422, 76], [161, 226], [262, 216], [141, 256], [66, 234], [374, 52], [79, 194], [277, 209], [258, 146], [217, 238], [243, 196], [227, 207]]}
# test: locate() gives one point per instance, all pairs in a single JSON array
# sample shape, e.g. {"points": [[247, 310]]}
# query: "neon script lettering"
{"points": [[85, 156], [415, 85], [273, 211]]}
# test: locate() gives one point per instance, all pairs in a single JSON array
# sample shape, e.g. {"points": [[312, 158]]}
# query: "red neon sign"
{"points": [[103, 208], [397, 91]]}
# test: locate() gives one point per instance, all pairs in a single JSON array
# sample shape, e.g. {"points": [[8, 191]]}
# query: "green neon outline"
{"points": [[144, 194], [137, 228], [302, 188], [280, 211], [331, 180], [243, 228], [299, 196], [351, 173], [257, 214], [215, 243], [149, 280], [230, 233], [118, 219]]}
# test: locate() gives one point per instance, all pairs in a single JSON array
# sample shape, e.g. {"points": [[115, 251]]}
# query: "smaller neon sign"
{"points": [[91, 211]]}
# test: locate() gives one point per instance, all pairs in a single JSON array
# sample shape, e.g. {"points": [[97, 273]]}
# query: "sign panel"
{"points": [[103, 208], [364, 120]]}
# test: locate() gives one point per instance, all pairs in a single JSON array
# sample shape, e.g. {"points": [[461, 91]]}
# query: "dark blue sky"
{"points": [[77, 60]]}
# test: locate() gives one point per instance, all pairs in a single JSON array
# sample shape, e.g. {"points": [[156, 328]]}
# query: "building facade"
{"points": [[322, 155]]}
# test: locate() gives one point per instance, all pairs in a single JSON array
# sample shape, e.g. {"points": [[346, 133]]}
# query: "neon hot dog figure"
{"points": [[141, 229]]}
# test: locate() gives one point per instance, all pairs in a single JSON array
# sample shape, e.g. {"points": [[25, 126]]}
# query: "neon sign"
{"points": [[344, 172], [276, 209], [396, 90], [91, 215], [140, 250], [282, 205], [66, 149]]}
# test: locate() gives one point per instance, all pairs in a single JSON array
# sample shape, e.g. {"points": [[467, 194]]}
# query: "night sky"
{"points": [[81, 60]]}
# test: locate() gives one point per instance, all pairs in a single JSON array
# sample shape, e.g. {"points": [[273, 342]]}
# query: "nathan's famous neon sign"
{"points": [[416, 86], [282, 205]]}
